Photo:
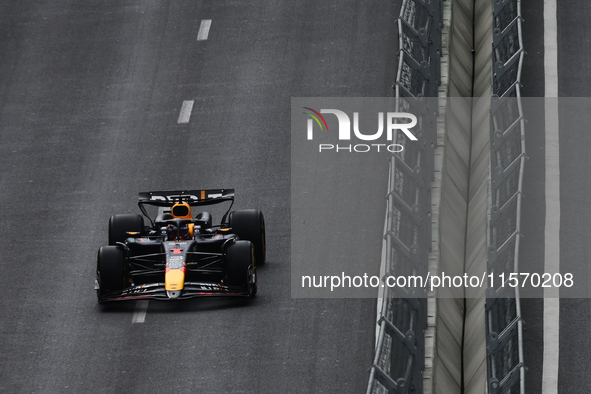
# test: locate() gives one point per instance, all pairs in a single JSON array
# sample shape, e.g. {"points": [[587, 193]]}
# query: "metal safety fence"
{"points": [[400, 350], [505, 365]]}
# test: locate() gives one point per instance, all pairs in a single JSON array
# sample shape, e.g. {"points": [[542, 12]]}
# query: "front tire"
{"points": [[110, 269], [241, 266], [120, 225], [249, 224]]}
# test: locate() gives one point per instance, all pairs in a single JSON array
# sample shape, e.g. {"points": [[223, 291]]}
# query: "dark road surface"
{"points": [[574, 80], [90, 94]]}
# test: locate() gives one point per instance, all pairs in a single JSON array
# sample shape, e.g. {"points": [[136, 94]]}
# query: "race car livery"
{"points": [[179, 255]]}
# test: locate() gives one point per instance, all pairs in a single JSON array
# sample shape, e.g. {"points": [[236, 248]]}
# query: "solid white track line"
{"points": [[552, 189]]}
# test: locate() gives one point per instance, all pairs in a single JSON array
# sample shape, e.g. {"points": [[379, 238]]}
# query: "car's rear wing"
{"points": [[191, 197]]}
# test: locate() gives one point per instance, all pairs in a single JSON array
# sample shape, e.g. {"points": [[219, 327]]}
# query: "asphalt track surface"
{"points": [[90, 94], [575, 188], [575, 162], [533, 206]]}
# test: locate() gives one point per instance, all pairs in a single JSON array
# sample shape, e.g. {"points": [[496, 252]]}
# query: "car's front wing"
{"points": [[190, 290]]}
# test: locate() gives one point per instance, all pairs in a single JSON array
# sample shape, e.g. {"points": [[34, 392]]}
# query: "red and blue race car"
{"points": [[179, 254]]}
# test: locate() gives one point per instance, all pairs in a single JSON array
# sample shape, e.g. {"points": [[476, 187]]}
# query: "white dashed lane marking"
{"points": [[204, 30], [186, 109], [139, 316]]}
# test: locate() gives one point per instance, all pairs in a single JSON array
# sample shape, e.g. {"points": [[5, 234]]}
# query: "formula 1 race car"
{"points": [[180, 255]]}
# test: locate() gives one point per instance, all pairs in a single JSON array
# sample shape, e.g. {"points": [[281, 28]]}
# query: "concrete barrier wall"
{"points": [[460, 199], [475, 373], [449, 200]]}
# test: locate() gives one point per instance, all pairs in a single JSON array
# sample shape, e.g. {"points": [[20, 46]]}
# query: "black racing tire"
{"points": [[119, 225], [110, 269], [249, 224], [240, 263]]}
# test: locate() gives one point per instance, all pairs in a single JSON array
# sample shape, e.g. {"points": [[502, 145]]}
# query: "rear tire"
{"points": [[119, 225], [110, 269], [249, 224], [240, 259]]}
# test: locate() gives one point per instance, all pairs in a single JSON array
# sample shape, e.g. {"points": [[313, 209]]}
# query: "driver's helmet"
{"points": [[174, 233]]}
